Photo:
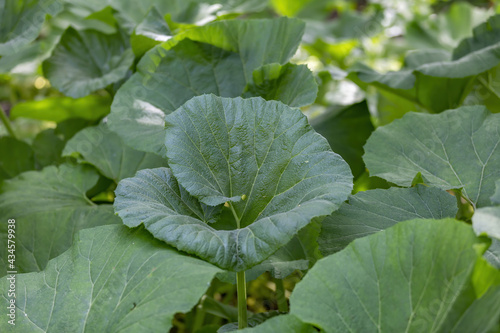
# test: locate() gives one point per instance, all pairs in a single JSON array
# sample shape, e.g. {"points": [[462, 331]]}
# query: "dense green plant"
{"points": [[185, 159]]}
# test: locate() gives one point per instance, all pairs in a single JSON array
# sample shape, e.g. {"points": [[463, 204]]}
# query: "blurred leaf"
{"points": [[110, 270], [152, 31], [48, 148], [106, 151], [88, 60], [58, 109], [15, 157], [21, 22]]}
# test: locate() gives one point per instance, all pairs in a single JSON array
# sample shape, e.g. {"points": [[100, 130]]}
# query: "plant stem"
{"points": [[280, 296], [6, 122], [199, 317], [241, 286]]}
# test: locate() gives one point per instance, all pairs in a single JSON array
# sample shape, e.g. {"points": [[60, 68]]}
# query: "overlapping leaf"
{"points": [[113, 279], [21, 22], [49, 206], [413, 277], [218, 58], [261, 156], [457, 149], [430, 74], [88, 60], [375, 210], [106, 151]]}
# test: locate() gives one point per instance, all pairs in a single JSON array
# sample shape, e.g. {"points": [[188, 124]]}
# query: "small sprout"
{"points": [[226, 204], [244, 197]]}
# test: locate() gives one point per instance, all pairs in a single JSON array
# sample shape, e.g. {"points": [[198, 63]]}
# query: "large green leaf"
{"points": [[105, 150], [113, 279], [374, 210], [61, 108], [21, 22], [347, 130], [413, 277], [218, 58], [88, 60], [15, 157], [262, 157], [457, 149], [49, 206]]}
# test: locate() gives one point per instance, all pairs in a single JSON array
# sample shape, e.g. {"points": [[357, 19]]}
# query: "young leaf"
{"points": [[88, 60], [106, 151], [375, 210], [49, 206], [222, 150], [113, 279], [457, 149], [22, 21], [218, 58], [413, 277]]}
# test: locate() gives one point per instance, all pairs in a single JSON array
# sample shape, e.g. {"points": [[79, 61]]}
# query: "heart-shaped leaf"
{"points": [[374, 210], [106, 151], [261, 157], [457, 149], [49, 206], [218, 58], [413, 277], [113, 279], [88, 60]]}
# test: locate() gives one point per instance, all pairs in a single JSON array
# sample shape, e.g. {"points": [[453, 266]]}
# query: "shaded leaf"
{"points": [[291, 84], [369, 212], [457, 149], [48, 148], [49, 206], [106, 151], [113, 279], [347, 131], [88, 60], [15, 157]]}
